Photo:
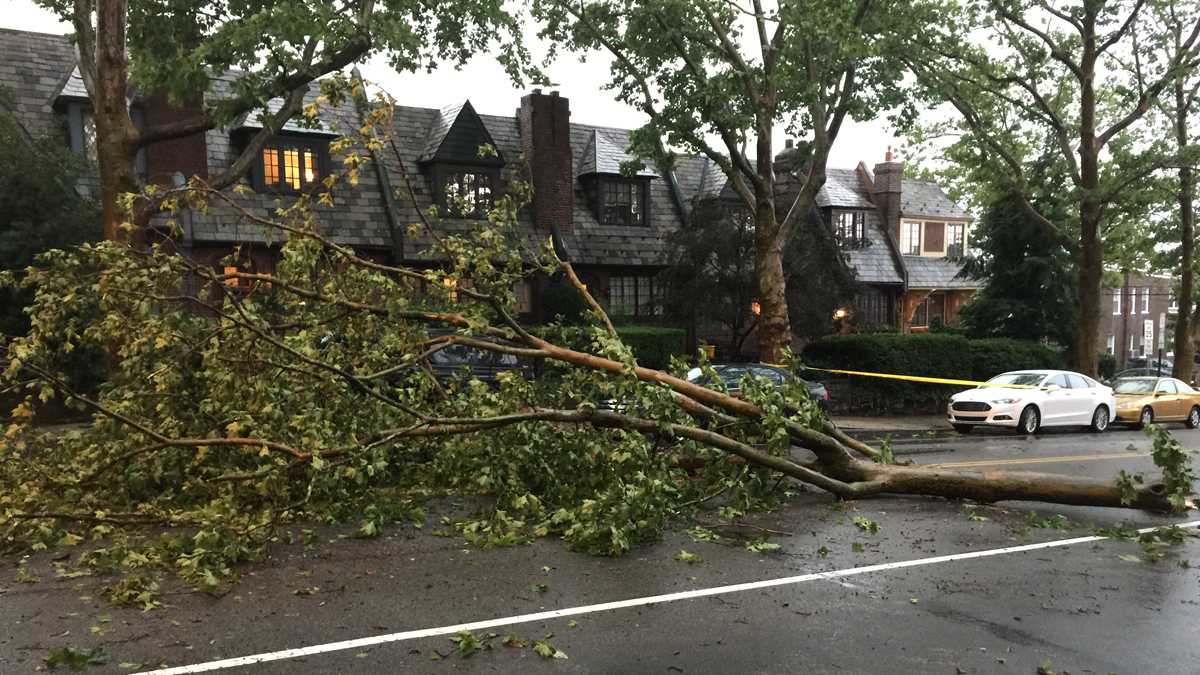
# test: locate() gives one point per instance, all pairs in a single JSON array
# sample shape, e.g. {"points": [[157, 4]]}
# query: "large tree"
{"points": [[710, 279], [1048, 68], [718, 77], [280, 48]]}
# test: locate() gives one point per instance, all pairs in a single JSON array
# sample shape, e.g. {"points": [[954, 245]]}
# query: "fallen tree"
{"points": [[260, 398]]}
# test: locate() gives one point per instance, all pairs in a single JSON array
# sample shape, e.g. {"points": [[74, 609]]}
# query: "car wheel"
{"points": [[1100, 419], [1030, 421], [963, 428], [1145, 419], [1193, 419]]}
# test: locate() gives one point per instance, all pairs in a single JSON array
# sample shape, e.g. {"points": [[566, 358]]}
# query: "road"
{"points": [[940, 588]]}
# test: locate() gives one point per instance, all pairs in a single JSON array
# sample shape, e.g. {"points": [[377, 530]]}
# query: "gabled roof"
{"points": [[925, 198], [843, 188], [456, 135], [298, 124], [33, 67], [606, 155], [73, 87]]}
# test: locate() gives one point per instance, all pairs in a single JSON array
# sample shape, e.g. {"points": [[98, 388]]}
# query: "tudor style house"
{"points": [[900, 236]]}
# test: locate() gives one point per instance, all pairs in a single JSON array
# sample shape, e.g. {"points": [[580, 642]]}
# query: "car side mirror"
{"points": [[1052, 387]]}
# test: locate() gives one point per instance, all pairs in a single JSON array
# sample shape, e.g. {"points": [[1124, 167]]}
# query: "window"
{"points": [[850, 228], [1112, 344], [931, 311], [634, 296], [468, 194], [290, 165], [1116, 302], [873, 307], [1146, 300], [1057, 380], [89, 136], [956, 240], [622, 201], [523, 290], [910, 238], [1078, 382], [1173, 306], [1167, 387]]}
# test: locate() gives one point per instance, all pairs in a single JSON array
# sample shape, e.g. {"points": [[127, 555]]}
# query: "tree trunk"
{"points": [[1091, 246], [774, 324], [115, 132], [1185, 348]]}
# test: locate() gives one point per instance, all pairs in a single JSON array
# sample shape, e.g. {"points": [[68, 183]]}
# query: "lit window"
{"points": [[231, 280], [910, 238], [290, 166]]}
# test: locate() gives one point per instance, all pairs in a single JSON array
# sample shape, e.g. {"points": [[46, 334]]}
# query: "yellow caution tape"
{"points": [[918, 378]]}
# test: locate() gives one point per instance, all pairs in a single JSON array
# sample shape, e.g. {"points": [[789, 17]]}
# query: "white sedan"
{"points": [[1031, 399]]}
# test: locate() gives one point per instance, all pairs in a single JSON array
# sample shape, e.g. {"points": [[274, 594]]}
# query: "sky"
{"points": [[490, 90]]}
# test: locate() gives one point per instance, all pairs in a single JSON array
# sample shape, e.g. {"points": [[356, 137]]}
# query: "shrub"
{"points": [[941, 355], [653, 346]]}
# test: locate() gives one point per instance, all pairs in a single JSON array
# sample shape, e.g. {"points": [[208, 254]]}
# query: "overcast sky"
{"points": [[490, 90]]}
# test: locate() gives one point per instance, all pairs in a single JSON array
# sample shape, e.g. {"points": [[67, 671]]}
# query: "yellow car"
{"points": [[1146, 400]]}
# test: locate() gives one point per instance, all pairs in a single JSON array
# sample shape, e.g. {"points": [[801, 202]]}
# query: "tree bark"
{"points": [[774, 324], [1091, 211], [115, 133], [1185, 347]]}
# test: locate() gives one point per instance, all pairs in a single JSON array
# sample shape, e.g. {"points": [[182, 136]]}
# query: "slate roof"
{"points": [[33, 67], [842, 188], [456, 136], [606, 155], [874, 262], [936, 273], [588, 241], [926, 199]]}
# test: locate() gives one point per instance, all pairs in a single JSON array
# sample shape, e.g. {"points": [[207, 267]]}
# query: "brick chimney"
{"points": [[888, 177], [546, 143], [187, 155]]}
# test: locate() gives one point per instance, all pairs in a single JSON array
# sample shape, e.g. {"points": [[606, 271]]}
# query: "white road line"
{"points": [[621, 604]]}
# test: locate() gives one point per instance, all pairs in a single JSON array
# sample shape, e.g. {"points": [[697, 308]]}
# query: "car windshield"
{"points": [[1019, 379], [1134, 386]]}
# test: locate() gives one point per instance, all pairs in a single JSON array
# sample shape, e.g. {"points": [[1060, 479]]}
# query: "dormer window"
{"points": [[467, 193], [289, 164], [623, 201], [850, 228]]}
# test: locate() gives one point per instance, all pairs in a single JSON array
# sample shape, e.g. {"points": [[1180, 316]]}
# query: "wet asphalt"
{"points": [[1091, 607]]}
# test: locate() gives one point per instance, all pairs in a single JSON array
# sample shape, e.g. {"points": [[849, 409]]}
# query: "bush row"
{"points": [[653, 346], [941, 355]]}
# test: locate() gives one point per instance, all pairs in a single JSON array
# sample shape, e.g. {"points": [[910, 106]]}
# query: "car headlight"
{"points": [[1006, 401]]}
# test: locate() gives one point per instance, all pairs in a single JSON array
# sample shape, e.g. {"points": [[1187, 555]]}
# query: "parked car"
{"points": [[731, 375], [1028, 400], [1145, 400]]}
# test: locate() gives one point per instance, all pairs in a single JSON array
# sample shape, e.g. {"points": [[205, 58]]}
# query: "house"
{"points": [[1136, 316], [900, 236]]}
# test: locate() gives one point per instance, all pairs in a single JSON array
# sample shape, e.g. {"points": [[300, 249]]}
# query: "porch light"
{"points": [[840, 313], [755, 308]]}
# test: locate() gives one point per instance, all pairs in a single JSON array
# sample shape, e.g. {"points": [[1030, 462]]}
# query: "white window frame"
{"points": [[1111, 345], [1146, 300], [906, 233], [1173, 303], [1117, 293]]}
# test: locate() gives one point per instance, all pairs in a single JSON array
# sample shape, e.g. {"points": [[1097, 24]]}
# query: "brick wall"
{"points": [[546, 143], [187, 155]]}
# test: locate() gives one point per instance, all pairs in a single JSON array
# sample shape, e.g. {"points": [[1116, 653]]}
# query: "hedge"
{"points": [[942, 355], [653, 346]]}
